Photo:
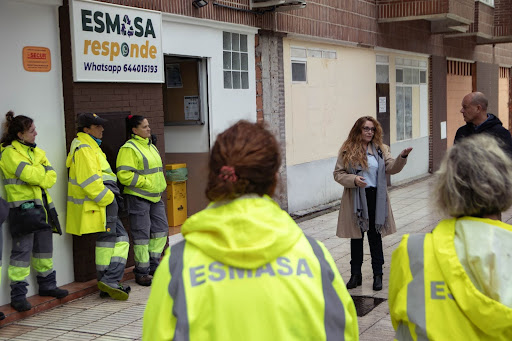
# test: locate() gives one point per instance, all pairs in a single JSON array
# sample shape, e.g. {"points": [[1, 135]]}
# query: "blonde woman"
{"points": [[363, 162], [454, 283]]}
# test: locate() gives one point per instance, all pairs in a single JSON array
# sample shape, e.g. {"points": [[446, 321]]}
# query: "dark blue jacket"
{"points": [[492, 126]]}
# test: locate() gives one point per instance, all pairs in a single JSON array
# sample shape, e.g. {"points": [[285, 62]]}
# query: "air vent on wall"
{"points": [[279, 5]]}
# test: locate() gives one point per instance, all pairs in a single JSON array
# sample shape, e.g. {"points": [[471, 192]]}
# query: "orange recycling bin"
{"points": [[176, 193]]}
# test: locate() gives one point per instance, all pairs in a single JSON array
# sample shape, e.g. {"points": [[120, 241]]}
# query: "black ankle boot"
{"points": [[57, 292], [2, 316], [377, 282], [21, 305], [354, 281]]}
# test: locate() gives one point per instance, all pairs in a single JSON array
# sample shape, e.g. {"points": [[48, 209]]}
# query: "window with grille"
{"points": [[409, 73], [235, 61]]}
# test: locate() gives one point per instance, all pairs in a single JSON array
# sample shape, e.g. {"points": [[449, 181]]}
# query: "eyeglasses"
{"points": [[368, 129]]}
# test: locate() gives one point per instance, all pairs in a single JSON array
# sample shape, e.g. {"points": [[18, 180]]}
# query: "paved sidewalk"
{"points": [[93, 318]]}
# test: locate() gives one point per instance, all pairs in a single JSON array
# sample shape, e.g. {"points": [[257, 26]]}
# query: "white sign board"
{"points": [[113, 43], [443, 130], [382, 104], [191, 105]]}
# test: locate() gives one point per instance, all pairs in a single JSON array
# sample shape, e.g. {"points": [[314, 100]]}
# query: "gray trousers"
{"points": [[149, 229], [36, 247], [112, 249]]}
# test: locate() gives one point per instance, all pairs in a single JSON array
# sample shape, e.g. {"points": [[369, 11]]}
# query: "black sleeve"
{"points": [[504, 138]]}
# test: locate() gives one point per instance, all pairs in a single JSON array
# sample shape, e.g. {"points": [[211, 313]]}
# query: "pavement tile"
{"points": [[14, 330], [76, 336], [40, 334]]}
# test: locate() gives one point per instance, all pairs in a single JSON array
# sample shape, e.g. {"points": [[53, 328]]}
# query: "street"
{"points": [[94, 318]]}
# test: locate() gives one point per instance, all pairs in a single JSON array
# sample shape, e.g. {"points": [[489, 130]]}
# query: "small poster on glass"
{"points": [[173, 76], [191, 106]]}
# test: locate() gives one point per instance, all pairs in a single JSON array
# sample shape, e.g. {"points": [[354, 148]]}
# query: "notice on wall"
{"points": [[191, 106], [115, 43], [37, 59], [382, 104], [443, 130], [173, 74]]}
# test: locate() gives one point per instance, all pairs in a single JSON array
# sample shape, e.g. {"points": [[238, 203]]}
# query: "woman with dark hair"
{"points": [[363, 162], [245, 270], [27, 177], [454, 282], [139, 169]]}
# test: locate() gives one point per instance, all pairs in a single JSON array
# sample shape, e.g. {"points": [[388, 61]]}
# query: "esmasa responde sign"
{"points": [[122, 41]]}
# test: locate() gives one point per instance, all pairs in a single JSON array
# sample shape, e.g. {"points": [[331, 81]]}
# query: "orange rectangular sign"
{"points": [[37, 59]]}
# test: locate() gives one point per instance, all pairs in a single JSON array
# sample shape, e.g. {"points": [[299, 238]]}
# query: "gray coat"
{"points": [[347, 227]]}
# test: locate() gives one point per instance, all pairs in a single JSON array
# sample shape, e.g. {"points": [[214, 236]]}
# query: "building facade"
{"points": [[308, 69]]}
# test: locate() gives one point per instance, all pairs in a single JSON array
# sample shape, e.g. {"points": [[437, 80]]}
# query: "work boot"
{"points": [[120, 293], [57, 293], [2, 316], [377, 282], [21, 305], [144, 280], [354, 281], [126, 289]]}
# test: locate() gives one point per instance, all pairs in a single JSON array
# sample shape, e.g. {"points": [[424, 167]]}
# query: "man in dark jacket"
{"points": [[474, 110]]}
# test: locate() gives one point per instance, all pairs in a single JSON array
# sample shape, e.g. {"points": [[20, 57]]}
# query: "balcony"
{"points": [[278, 5], [492, 24], [446, 16]]}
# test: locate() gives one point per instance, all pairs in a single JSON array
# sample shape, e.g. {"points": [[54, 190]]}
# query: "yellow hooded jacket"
{"points": [[87, 195], [246, 271], [139, 169], [453, 283], [27, 175]]}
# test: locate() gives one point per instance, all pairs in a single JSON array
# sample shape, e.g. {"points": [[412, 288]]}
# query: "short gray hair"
{"points": [[475, 178]]}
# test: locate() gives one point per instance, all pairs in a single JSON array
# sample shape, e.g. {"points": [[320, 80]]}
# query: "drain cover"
{"points": [[365, 304]]}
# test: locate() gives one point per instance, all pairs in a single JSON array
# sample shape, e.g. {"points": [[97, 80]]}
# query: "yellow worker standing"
{"points": [[139, 169], [27, 177], [454, 283], [93, 208], [245, 270]]}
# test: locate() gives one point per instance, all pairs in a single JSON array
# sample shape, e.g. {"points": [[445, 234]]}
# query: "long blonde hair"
{"points": [[474, 179], [352, 150]]}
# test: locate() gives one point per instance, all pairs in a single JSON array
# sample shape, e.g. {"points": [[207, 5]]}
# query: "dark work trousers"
{"points": [[149, 229], [35, 247], [374, 239], [112, 248]]}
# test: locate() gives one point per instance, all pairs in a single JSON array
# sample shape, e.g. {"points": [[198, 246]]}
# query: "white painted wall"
{"points": [[39, 96], [319, 116], [417, 163], [203, 38]]}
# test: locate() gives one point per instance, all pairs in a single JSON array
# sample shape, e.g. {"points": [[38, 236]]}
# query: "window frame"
{"points": [[242, 72]]}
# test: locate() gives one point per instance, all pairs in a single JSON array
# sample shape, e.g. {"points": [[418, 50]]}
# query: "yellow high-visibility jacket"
{"points": [[139, 169], [246, 271], [27, 173], [453, 283], [87, 195]]}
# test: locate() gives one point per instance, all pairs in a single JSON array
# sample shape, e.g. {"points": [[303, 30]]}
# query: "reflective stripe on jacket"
{"points": [[139, 169], [289, 288], [87, 195], [27, 173], [431, 296]]}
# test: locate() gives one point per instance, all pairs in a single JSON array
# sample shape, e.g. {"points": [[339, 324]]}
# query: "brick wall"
{"points": [[418, 8], [114, 101], [484, 19], [270, 104], [503, 17]]}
